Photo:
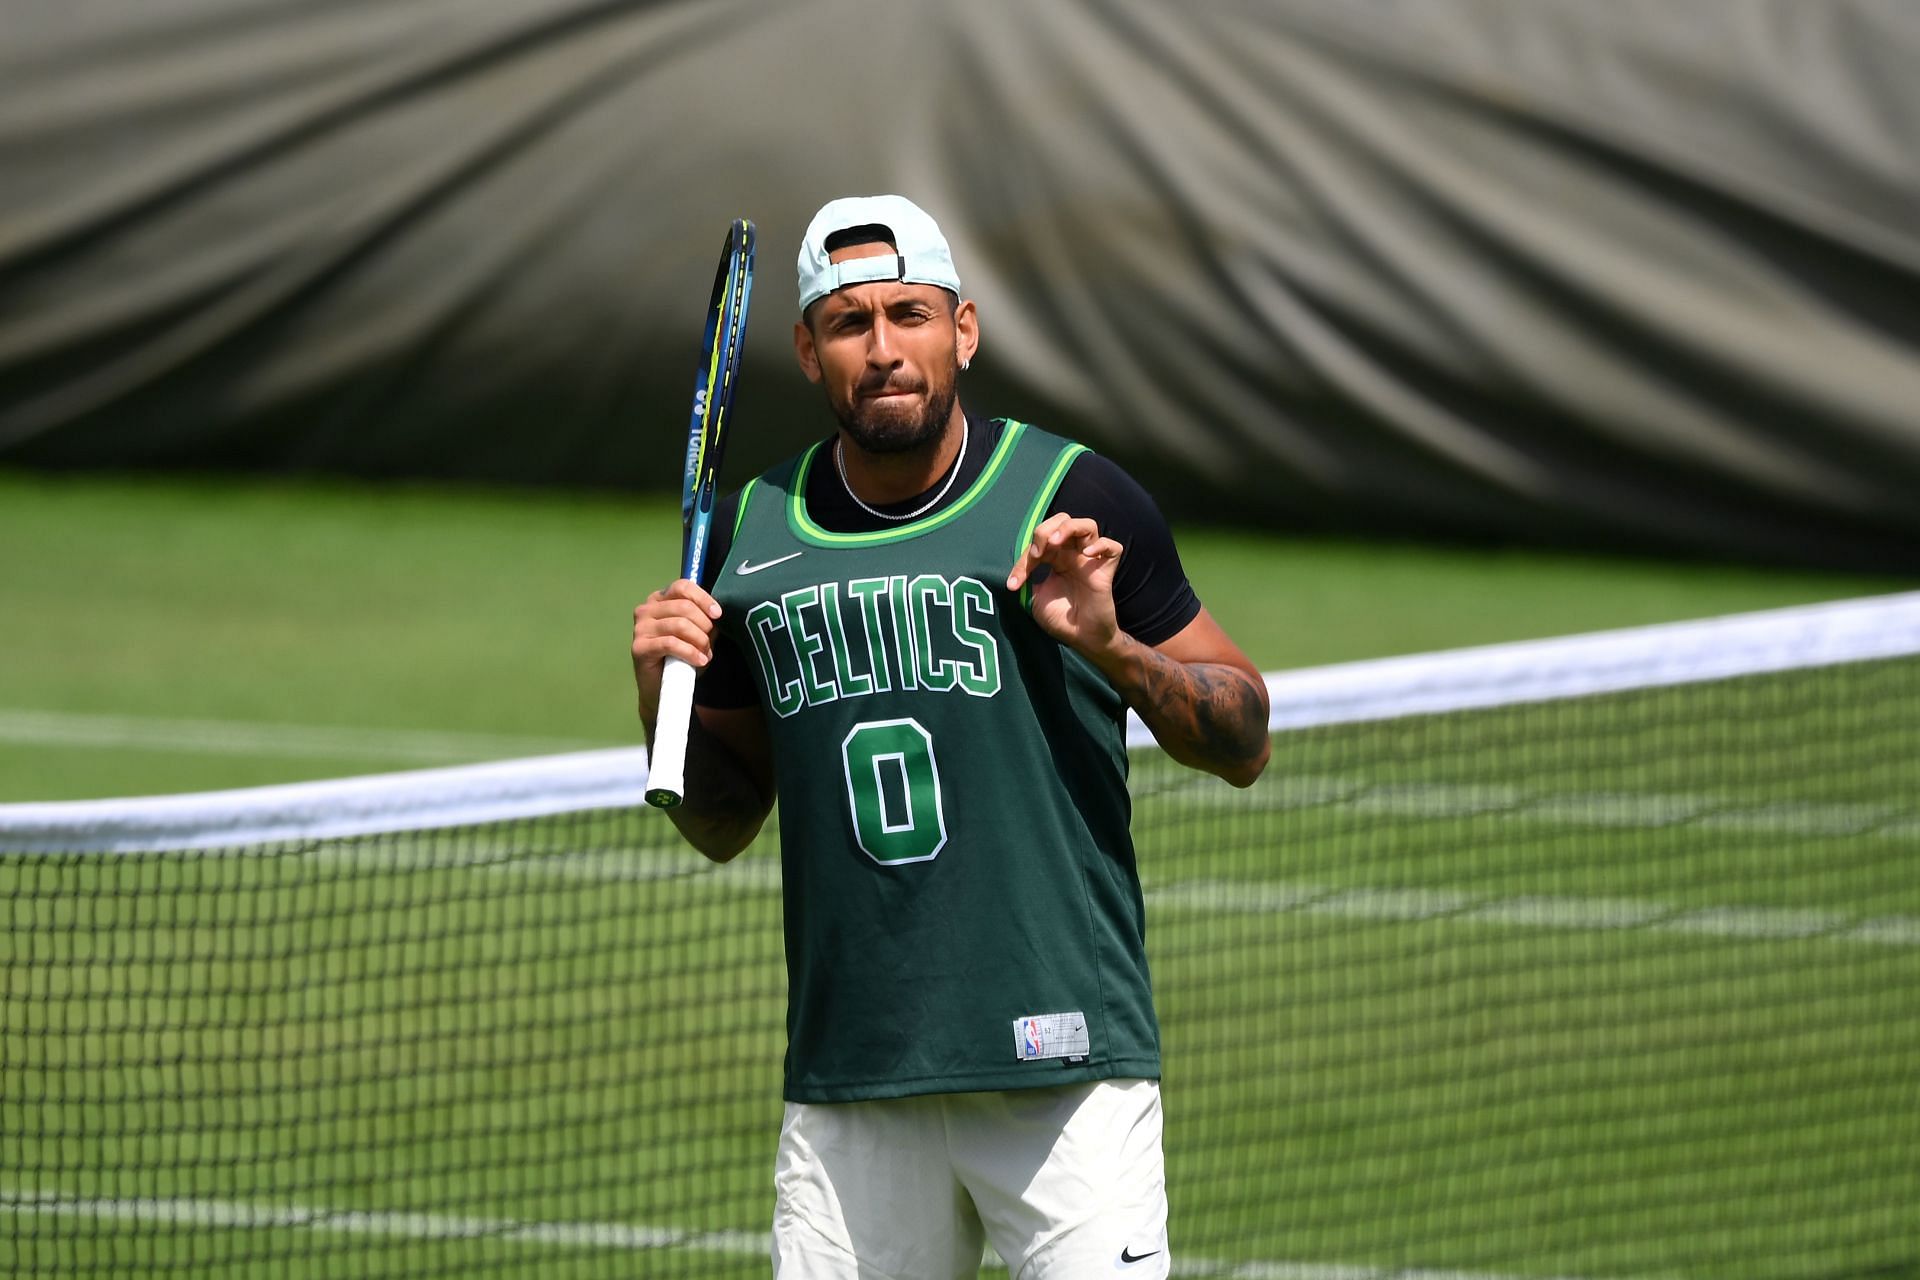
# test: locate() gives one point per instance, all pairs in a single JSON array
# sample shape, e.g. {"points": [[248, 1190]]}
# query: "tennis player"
{"points": [[922, 634]]}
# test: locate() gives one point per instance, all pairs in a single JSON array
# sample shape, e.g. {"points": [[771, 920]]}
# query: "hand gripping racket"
{"points": [[720, 349]]}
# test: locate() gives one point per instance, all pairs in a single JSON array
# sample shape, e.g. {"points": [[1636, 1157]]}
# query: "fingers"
{"points": [[1062, 542], [676, 622], [673, 638], [685, 589], [1048, 535]]}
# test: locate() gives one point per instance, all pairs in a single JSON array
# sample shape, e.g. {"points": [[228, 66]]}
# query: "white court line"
{"points": [[1634, 811], [409, 1226], [241, 1215], [614, 779], [1798, 637], [1231, 897], [238, 737], [1395, 904]]}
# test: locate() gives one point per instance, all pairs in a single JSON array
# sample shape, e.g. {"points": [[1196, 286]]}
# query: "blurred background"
{"points": [[1622, 275]]}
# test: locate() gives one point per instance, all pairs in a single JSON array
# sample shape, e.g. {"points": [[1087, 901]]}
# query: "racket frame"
{"points": [[723, 340]]}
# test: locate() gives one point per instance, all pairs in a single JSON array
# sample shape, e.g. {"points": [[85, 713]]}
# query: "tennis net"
{"points": [[1588, 957]]}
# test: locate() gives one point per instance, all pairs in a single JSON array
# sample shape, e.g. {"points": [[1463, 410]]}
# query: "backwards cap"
{"points": [[921, 255]]}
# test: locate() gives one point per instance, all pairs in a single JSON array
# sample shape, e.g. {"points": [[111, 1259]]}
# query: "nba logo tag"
{"points": [[1040, 1036]]}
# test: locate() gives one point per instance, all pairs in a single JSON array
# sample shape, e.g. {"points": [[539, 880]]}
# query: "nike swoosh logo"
{"points": [[746, 568], [1128, 1257]]}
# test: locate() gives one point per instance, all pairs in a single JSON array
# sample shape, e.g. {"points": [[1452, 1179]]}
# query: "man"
{"points": [[923, 635]]}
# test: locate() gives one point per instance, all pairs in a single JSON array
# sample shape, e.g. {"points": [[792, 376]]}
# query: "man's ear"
{"points": [[966, 332], [803, 351]]}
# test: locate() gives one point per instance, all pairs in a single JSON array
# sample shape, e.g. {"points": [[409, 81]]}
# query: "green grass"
{"points": [[1364, 1067], [384, 609], [1422, 1086], [511, 1025]]}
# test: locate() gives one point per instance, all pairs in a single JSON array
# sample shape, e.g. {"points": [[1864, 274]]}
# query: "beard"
{"points": [[885, 427]]}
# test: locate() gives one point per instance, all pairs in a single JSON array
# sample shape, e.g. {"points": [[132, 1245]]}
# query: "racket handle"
{"points": [[667, 765]]}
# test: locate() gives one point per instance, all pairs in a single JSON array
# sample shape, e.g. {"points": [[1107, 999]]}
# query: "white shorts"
{"points": [[1065, 1182]]}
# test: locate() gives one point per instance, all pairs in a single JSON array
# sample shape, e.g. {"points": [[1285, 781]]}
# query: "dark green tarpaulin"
{"points": [[1628, 273]]}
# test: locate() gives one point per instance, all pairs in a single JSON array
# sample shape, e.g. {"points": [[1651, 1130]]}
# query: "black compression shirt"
{"points": [[1152, 598]]}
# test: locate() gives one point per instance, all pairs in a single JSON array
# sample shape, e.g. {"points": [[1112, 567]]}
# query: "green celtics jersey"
{"points": [[962, 907]]}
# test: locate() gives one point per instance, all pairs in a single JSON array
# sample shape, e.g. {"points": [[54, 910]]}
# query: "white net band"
{"points": [[1383, 689]]}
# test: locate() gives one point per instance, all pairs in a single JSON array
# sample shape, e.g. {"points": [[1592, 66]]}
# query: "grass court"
{"points": [[1629, 991]]}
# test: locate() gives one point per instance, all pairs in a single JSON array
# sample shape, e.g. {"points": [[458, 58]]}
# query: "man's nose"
{"points": [[881, 346]]}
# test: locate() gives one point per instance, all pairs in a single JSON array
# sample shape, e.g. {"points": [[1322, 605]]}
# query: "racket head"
{"points": [[723, 342]]}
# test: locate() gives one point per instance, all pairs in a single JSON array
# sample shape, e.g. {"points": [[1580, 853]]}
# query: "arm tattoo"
{"points": [[1206, 714]]}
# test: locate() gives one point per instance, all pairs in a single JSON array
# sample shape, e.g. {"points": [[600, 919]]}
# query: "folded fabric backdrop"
{"points": [[1627, 274]]}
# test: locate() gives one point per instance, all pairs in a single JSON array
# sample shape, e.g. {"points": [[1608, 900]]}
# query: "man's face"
{"points": [[888, 354]]}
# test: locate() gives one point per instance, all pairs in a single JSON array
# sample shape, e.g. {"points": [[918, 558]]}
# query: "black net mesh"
{"points": [[1619, 985]]}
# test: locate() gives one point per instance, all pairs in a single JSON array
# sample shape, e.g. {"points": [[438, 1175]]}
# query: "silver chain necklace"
{"points": [[840, 465]]}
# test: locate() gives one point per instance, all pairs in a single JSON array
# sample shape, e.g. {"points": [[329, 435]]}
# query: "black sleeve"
{"points": [[726, 682], [1152, 598]]}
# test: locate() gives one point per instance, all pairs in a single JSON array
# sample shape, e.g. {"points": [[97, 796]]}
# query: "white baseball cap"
{"points": [[921, 255]]}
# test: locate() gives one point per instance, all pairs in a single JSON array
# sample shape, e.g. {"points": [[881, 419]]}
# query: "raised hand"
{"points": [[1199, 695], [675, 622], [1073, 599]]}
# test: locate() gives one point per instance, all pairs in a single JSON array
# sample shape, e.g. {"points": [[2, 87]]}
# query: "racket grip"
{"points": [[667, 764]]}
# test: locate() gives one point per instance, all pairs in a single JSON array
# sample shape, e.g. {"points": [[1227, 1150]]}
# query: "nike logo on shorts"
{"points": [[746, 568], [1128, 1257]]}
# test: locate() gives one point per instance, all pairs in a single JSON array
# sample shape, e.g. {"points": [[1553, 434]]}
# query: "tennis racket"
{"points": [[720, 349]]}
